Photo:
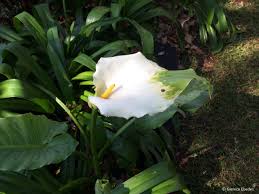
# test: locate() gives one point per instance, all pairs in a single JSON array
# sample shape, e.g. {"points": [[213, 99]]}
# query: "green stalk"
{"points": [[93, 143], [64, 107], [110, 141], [64, 8]]}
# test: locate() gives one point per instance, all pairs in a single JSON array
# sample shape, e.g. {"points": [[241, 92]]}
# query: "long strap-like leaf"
{"points": [[56, 56]]}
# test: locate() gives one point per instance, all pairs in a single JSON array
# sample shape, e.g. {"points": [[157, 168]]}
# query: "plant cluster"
{"points": [[54, 138]]}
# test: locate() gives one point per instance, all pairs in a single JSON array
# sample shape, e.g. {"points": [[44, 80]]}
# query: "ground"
{"points": [[220, 139]]}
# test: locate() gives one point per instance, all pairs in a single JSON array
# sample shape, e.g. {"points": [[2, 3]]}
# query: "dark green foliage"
{"points": [[214, 26], [45, 66]]}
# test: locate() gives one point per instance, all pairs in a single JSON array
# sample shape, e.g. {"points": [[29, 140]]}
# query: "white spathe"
{"points": [[135, 93]]}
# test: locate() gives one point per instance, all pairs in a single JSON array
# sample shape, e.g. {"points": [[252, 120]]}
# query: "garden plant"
{"points": [[84, 104]]}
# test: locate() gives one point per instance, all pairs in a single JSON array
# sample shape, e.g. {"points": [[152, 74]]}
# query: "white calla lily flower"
{"points": [[124, 87]]}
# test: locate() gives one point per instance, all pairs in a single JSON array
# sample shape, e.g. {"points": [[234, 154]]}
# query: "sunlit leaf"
{"points": [[13, 89], [32, 26]]}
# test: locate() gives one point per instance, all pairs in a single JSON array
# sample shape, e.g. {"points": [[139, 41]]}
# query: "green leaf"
{"points": [[216, 44], [126, 151], [146, 37], [57, 59], [2, 47], [87, 75], [119, 45], [171, 185], [11, 182], [175, 82], [146, 122], [137, 5], [84, 61], [14, 88], [8, 34], [96, 14], [116, 9], [7, 71], [86, 83], [195, 95], [203, 34], [44, 15], [87, 30], [6, 113], [30, 142], [37, 105], [26, 64], [222, 24], [32, 26], [147, 179], [152, 122]]}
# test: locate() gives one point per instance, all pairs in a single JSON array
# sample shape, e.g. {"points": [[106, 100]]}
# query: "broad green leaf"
{"points": [[195, 95], [27, 64], [14, 88], [29, 142], [175, 82], [96, 14], [15, 183], [147, 179], [6, 70], [27, 105], [119, 45], [146, 122], [56, 56], [43, 13], [155, 121], [8, 34], [32, 26]]}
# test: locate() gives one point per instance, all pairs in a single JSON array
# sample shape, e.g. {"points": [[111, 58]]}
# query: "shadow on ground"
{"points": [[218, 144]]}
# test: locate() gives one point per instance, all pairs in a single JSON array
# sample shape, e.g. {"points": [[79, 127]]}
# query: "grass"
{"points": [[224, 132]]}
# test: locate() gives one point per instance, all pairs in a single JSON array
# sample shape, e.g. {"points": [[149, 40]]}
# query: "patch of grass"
{"points": [[226, 128]]}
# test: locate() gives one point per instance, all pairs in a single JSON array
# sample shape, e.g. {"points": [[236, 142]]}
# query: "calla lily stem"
{"points": [[66, 109], [93, 143], [110, 141]]}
